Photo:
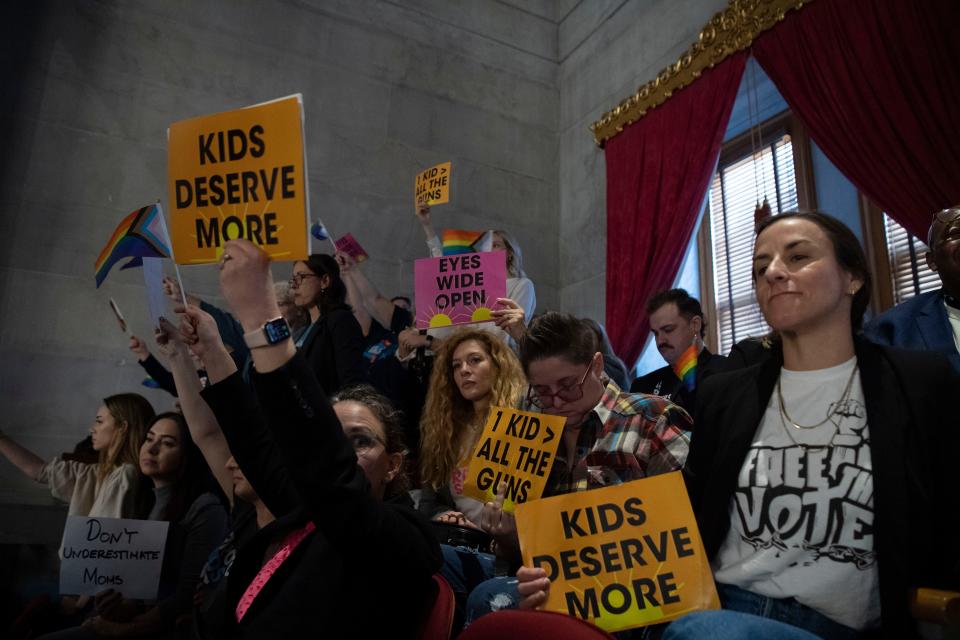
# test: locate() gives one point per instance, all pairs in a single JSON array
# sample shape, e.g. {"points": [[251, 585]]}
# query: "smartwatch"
{"points": [[272, 332]]}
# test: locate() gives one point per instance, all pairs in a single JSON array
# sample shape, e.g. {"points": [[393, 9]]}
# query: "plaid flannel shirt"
{"points": [[627, 436]]}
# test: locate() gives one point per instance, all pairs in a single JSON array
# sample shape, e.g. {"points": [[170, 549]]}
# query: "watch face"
{"points": [[276, 330]]}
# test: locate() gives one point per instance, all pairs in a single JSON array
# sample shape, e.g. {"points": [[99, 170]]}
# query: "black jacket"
{"points": [[334, 349], [368, 566], [664, 382], [914, 440]]}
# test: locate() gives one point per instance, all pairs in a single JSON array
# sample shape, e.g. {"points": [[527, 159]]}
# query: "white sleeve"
{"points": [[521, 291], [436, 246]]}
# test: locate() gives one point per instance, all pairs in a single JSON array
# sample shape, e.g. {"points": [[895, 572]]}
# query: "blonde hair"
{"points": [[132, 413], [514, 255], [447, 413]]}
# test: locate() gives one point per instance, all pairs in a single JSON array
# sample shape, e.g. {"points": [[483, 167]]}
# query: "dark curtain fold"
{"points": [[658, 171], [877, 83]]}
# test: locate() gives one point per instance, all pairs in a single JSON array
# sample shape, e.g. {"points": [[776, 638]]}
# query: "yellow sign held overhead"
{"points": [[239, 174], [621, 557], [432, 186]]}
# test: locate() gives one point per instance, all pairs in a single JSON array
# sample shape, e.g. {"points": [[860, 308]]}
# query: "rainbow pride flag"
{"points": [[686, 367], [456, 241], [142, 234]]}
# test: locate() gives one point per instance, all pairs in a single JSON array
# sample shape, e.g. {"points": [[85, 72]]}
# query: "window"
{"points": [[740, 182], [909, 274]]}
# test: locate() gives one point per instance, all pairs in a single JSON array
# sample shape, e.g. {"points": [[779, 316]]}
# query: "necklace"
{"points": [[786, 416]]}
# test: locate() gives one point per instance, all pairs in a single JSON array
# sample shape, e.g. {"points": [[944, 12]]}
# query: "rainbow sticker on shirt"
{"points": [[686, 368]]}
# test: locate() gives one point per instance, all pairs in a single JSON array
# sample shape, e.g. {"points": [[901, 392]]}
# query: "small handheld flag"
{"points": [[457, 241], [142, 234], [118, 315], [686, 367]]}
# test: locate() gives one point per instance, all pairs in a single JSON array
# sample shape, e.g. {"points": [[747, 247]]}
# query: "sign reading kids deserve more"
{"points": [[515, 452], [432, 186], [459, 289], [623, 556], [112, 553], [239, 174]]}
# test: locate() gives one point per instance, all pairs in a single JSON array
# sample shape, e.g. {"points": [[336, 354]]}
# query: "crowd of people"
{"points": [[314, 472]]}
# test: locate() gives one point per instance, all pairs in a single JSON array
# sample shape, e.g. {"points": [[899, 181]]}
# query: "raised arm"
{"points": [[433, 242], [354, 296], [203, 425], [22, 458], [373, 301]]}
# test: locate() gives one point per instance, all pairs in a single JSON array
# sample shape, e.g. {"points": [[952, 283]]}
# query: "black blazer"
{"points": [[913, 443], [367, 566], [334, 350], [664, 382]]}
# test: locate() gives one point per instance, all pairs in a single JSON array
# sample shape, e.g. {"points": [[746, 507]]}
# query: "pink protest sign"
{"points": [[460, 289], [349, 245]]}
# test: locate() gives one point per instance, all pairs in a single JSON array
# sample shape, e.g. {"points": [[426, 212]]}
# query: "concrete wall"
{"points": [[389, 88], [506, 89], [607, 49]]}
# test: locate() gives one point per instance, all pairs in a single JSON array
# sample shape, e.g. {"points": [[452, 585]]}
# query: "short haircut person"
{"points": [[688, 306], [393, 421], [847, 251], [561, 335], [403, 298]]}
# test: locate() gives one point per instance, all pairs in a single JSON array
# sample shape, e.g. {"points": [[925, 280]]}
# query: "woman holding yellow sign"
{"points": [[473, 371]]}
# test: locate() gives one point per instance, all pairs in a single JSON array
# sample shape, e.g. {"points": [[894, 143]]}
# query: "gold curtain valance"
{"points": [[729, 31]]}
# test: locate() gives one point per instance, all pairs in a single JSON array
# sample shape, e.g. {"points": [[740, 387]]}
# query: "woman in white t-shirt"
{"points": [[816, 468], [106, 488]]}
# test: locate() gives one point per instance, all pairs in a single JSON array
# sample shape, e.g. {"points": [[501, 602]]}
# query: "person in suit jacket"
{"points": [[931, 320], [816, 468], [676, 321], [333, 343]]}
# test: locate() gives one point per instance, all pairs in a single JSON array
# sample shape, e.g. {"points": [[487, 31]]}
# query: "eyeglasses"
{"points": [[297, 279], [364, 443], [947, 215], [569, 393]]}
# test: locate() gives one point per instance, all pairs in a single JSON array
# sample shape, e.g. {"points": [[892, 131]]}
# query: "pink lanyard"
{"points": [[266, 571]]}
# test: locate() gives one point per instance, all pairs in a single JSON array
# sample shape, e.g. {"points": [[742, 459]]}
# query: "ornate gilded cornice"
{"points": [[729, 31]]}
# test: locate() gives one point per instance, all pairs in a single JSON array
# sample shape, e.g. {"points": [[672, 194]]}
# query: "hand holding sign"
{"points": [[510, 317], [533, 585], [247, 285]]}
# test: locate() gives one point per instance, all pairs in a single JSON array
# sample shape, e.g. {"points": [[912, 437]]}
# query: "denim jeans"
{"points": [[749, 615], [492, 595], [464, 569]]}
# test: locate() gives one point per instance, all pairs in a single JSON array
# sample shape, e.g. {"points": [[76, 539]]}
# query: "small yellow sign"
{"points": [[516, 449], [432, 186], [621, 557], [239, 174]]}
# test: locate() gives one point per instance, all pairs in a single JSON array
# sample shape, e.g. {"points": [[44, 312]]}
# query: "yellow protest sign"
{"points": [[621, 557], [517, 449], [432, 186], [239, 174]]}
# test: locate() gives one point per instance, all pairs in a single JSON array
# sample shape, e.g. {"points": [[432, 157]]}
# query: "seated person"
{"points": [[108, 487], [336, 554], [814, 470], [610, 437], [184, 494], [677, 322], [931, 320]]}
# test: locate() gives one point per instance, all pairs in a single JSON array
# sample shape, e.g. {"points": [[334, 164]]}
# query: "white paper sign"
{"points": [[112, 553], [153, 279]]}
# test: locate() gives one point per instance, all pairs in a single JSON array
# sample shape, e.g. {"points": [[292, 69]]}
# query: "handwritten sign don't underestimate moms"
{"points": [[460, 289], [112, 553]]}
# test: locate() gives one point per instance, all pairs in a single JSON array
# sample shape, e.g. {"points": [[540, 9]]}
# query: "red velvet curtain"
{"points": [[658, 171], [877, 83]]}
